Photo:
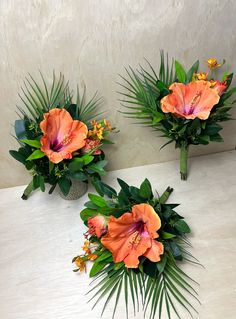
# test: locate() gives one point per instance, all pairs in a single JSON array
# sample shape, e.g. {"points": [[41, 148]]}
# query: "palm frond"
{"points": [[38, 98], [86, 111], [166, 292]]}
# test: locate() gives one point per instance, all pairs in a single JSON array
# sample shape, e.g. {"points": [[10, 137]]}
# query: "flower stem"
{"points": [[184, 162], [164, 197]]}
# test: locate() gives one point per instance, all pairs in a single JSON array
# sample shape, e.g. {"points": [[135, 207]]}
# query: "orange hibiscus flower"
{"points": [[133, 235], [61, 135], [195, 99]]}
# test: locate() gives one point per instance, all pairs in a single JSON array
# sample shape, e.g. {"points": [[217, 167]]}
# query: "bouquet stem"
{"points": [[184, 162]]}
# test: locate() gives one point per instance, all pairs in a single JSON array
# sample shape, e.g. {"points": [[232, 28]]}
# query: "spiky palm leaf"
{"points": [[38, 98], [157, 295]]}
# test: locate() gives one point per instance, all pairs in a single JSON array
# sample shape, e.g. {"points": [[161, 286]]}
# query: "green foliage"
{"points": [[143, 90], [160, 287], [39, 97]]}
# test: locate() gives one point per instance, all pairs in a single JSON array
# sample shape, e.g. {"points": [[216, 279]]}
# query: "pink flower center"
{"points": [[58, 146], [189, 109], [138, 230]]}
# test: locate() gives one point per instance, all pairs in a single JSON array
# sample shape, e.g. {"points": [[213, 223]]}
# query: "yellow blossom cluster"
{"points": [[80, 261], [97, 132]]}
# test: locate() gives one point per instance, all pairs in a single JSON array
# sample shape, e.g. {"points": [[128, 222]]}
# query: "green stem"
{"points": [[164, 197], [184, 162]]}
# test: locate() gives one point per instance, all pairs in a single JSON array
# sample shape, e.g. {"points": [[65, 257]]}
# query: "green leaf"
{"points": [[216, 138], [80, 176], [182, 226], [64, 184], [146, 189], [104, 256], [212, 129], [97, 200], [192, 70], [76, 164], [124, 186], [181, 74], [97, 267], [34, 143], [35, 155], [104, 189], [161, 264], [166, 235], [87, 159], [98, 167], [18, 156], [105, 141], [86, 213], [20, 129]]}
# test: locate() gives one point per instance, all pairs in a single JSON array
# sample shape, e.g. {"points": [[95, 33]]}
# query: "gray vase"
{"points": [[77, 190]]}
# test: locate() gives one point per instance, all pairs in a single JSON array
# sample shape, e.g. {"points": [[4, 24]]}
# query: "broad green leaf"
{"points": [[87, 159], [146, 189], [20, 129], [18, 156], [64, 184], [181, 74], [97, 200], [35, 155], [76, 164], [104, 189], [191, 71], [182, 226], [86, 213], [34, 143], [80, 176]]}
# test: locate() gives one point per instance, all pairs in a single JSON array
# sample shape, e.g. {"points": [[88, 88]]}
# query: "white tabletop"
{"points": [[39, 237]]}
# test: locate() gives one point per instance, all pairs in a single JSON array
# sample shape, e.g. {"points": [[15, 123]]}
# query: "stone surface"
{"points": [[91, 42], [40, 236]]}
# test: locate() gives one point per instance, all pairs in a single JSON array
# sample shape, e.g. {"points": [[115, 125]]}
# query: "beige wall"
{"points": [[91, 41]]}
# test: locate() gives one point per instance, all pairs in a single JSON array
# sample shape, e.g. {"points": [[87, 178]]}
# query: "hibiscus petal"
{"points": [[147, 214], [154, 252]]}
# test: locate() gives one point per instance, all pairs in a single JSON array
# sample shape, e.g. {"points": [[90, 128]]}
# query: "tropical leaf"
{"points": [[39, 98], [167, 292]]}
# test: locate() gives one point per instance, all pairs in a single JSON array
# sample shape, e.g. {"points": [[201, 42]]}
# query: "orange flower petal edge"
{"points": [[133, 235], [61, 135], [194, 100]]}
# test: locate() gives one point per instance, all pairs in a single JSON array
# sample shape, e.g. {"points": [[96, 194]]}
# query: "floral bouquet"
{"points": [[60, 141], [185, 106], [137, 243]]}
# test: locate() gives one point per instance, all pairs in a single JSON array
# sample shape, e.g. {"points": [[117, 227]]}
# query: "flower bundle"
{"points": [[137, 243], [184, 106], [60, 140]]}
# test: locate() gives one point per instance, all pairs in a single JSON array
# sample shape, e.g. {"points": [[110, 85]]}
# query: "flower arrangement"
{"points": [[184, 106], [60, 140], [137, 243]]}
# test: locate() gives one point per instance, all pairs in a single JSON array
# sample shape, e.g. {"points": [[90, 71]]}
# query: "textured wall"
{"points": [[91, 42]]}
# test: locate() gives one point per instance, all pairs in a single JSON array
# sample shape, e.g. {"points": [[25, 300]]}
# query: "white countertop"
{"points": [[39, 237]]}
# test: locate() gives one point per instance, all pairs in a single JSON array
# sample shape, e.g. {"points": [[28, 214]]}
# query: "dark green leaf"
{"points": [[182, 226], [64, 184], [18, 156], [146, 189]]}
